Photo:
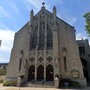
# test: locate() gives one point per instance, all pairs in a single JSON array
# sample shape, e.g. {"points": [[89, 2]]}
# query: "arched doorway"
{"points": [[85, 70], [49, 73], [40, 73], [31, 73]]}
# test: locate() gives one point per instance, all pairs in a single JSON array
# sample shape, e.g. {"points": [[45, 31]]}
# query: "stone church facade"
{"points": [[45, 48]]}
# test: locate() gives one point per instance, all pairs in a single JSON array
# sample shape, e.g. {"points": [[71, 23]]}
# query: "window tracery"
{"points": [[42, 28], [32, 59], [40, 59], [41, 42], [49, 37], [49, 41], [33, 41], [49, 59]]}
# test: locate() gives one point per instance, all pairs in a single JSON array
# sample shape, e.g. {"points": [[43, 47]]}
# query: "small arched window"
{"points": [[20, 63], [64, 51], [49, 41], [41, 41]]}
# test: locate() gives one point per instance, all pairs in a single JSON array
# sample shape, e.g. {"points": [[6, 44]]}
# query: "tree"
{"points": [[87, 17]]}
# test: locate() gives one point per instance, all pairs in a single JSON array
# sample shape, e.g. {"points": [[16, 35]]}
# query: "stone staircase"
{"points": [[47, 84]]}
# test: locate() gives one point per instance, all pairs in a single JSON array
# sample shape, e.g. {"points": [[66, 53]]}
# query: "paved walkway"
{"points": [[33, 88]]}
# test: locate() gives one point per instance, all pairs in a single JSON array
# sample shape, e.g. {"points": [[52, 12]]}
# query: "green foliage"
{"points": [[6, 83], [9, 83], [75, 84], [63, 81], [71, 84], [2, 72], [1, 81], [87, 17]]}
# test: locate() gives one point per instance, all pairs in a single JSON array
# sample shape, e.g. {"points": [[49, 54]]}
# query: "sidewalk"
{"points": [[33, 88]]}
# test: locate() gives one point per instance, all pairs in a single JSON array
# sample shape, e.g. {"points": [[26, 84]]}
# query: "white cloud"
{"points": [[80, 36], [14, 7], [3, 26], [35, 3], [3, 59], [7, 37], [71, 20], [3, 12]]}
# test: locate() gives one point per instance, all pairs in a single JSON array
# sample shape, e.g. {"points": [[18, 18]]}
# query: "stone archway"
{"points": [[49, 73], [85, 70], [40, 73], [31, 73]]}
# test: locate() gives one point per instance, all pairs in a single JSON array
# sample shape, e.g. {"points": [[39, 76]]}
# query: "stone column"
{"points": [[55, 45], [36, 64], [36, 52], [45, 48]]}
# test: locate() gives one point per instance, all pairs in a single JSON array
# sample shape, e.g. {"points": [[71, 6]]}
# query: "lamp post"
{"points": [[0, 42]]}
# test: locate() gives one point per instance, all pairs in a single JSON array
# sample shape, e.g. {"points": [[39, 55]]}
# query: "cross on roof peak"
{"points": [[43, 4]]}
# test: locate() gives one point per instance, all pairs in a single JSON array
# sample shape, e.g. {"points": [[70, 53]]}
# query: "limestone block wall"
{"points": [[21, 41], [67, 40]]}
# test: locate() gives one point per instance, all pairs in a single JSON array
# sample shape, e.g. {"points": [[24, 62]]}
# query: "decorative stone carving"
{"points": [[40, 59], [49, 59], [56, 62], [75, 73], [32, 59], [38, 53]]}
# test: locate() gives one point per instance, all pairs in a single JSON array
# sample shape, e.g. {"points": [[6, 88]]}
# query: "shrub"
{"points": [[75, 84], [63, 81], [71, 84], [1, 81], [2, 72], [9, 83], [13, 83], [6, 83]]}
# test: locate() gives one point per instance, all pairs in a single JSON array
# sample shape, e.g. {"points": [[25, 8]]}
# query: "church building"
{"points": [[45, 48]]}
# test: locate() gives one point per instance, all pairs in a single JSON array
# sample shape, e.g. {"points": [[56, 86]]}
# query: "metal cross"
{"points": [[43, 4]]}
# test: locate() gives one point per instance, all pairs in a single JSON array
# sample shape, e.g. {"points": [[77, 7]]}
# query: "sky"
{"points": [[14, 14]]}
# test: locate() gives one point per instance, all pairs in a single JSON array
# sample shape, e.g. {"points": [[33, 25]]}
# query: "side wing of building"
{"points": [[21, 45], [68, 50]]}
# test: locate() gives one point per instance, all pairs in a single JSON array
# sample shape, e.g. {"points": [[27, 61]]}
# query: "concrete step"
{"points": [[40, 84]]}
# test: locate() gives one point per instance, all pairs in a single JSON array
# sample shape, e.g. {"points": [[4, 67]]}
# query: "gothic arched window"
{"points": [[20, 63], [41, 41], [49, 41], [64, 51], [33, 42]]}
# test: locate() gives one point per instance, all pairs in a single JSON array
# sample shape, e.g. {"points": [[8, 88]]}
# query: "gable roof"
{"points": [[56, 16]]}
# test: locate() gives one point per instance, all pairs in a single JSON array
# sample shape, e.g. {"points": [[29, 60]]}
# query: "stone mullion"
{"points": [[36, 58], [45, 49], [36, 65]]}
